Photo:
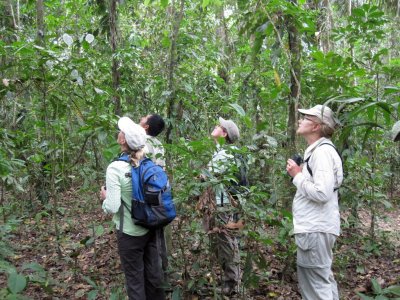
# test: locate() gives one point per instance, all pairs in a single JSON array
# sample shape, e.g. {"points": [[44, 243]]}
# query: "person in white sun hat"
{"points": [[137, 246], [316, 216]]}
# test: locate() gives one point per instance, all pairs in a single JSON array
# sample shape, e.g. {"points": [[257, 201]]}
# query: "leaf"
{"points": [[258, 42], [164, 3], [34, 267], [394, 289], [364, 297], [67, 39], [238, 108], [16, 283], [98, 91], [166, 42], [391, 90], [7, 267], [177, 294], [347, 101], [381, 297], [92, 295], [376, 286], [360, 269], [79, 80], [90, 281], [74, 74], [99, 230], [205, 3], [272, 141], [89, 38], [277, 78], [355, 112]]}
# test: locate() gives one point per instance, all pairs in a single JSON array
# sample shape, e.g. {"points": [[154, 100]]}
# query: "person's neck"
{"points": [[311, 139], [124, 149]]}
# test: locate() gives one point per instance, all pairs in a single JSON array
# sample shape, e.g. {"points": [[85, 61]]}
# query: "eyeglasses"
{"points": [[309, 119], [222, 127]]}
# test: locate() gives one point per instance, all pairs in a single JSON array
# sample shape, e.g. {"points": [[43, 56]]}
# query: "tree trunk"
{"points": [[326, 31], [13, 19], [348, 7], [222, 37], [171, 114], [115, 62], [295, 89], [40, 22]]}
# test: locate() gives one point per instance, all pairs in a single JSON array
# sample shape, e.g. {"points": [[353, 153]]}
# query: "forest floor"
{"points": [[76, 266]]}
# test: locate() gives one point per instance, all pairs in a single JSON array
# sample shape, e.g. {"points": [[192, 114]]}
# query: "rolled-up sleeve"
{"points": [[113, 200]]}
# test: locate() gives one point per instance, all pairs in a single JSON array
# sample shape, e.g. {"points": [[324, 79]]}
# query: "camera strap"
{"points": [[308, 158]]}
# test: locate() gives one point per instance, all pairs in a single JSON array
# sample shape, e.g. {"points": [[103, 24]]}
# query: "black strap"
{"points": [[121, 217], [162, 249], [308, 158]]}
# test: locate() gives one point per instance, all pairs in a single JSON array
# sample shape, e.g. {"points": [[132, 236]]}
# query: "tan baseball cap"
{"points": [[231, 129], [322, 112]]}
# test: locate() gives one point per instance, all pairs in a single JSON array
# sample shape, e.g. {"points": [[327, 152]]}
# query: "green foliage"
{"points": [[232, 59], [380, 293]]}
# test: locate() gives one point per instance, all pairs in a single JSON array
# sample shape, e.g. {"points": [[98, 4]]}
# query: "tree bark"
{"points": [[40, 22], [348, 7], [171, 114], [13, 17], [295, 74], [116, 99], [326, 31], [222, 36]]}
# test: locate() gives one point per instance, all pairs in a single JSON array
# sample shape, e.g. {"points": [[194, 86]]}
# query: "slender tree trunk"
{"points": [[295, 74], [222, 36], [17, 15], [115, 62], [326, 31], [348, 7], [177, 16], [12, 14], [40, 22]]}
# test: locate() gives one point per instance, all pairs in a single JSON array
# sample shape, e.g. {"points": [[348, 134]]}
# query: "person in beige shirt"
{"points": [[316, 217], [153, 125]]}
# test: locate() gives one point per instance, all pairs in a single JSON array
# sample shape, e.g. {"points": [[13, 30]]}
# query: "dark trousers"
{"points": [[142, 266]]}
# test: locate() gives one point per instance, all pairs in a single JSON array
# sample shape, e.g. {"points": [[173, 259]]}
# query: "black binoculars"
{"points": [[298, 159]]}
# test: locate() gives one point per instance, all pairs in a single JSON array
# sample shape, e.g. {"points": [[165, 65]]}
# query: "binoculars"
{"points": [[298, 159]]}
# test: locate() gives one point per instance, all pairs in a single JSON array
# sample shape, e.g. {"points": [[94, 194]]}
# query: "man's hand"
{"points": [[292, 168], [103, 192]]}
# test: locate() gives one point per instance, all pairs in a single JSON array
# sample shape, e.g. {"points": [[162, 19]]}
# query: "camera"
{"points": [[298, 159]]}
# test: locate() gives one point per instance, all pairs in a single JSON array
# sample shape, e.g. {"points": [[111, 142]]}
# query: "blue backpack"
{"points": [[152, 203]]}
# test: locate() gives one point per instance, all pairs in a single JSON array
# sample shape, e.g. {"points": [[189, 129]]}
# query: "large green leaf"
{"points": [[383, 106], [239, 109], [394, 289], [16, 283]]}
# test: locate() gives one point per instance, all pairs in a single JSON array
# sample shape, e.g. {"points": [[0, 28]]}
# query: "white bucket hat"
{"points": [[231, 129], [323, 113], [135, 135]]}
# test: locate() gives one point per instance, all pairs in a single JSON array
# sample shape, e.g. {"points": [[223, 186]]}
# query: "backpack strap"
{"points": [[309, 157], [122, 157]]}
